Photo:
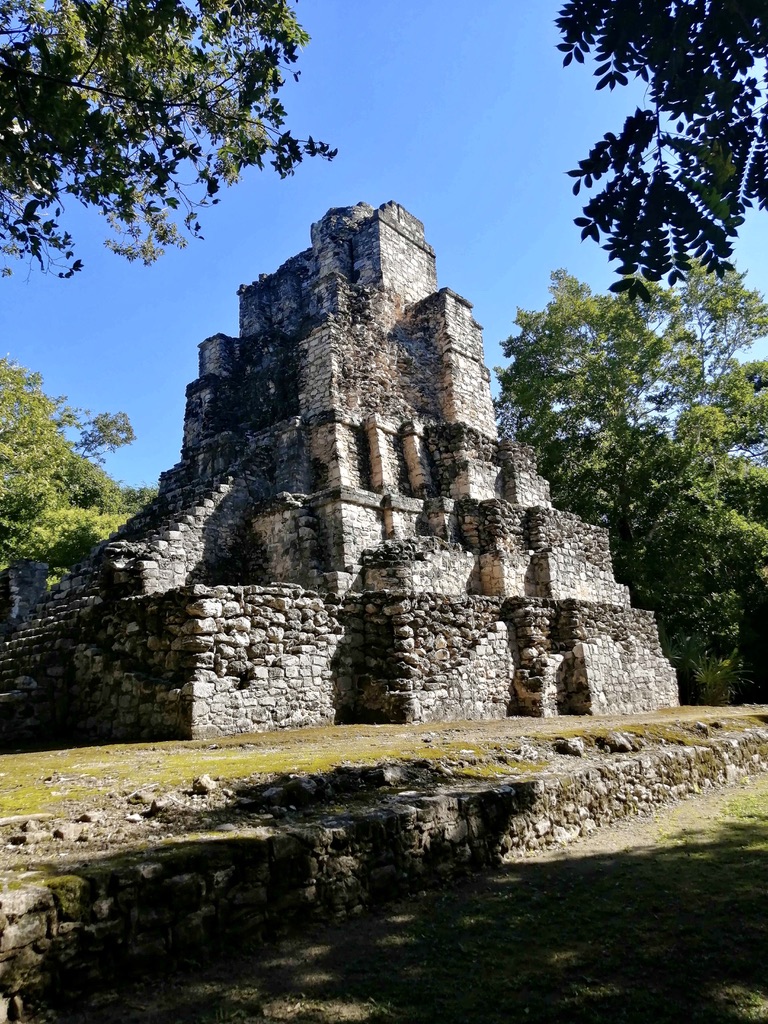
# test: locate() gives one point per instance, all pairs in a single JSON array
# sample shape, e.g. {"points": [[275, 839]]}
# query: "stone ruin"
{"points": [[345, 539]]}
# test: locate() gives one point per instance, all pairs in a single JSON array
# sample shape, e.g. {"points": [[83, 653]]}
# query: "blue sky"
{"points": [[462, 113]]}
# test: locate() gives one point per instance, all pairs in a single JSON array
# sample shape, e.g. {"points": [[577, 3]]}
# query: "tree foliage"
{"points": [[104, 432], [55, 504], [645, 421], [686, 166], [140, 108]]}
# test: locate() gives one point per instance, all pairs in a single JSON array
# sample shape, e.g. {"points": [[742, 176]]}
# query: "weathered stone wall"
{"points": [[272, 657], [100, 671], [520, 478], [194, 661], [61, 936], [350, 521], [420, 565], [406, 261], [465, 463], [445, 318], [21, 587], [461, 662], [615, 663], [497, 532], [264, 659], [572, 558], [581, 657], [422, 657]]}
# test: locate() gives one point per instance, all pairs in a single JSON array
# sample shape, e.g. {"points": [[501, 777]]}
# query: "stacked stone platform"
{"points": [[142, 911], [365, 546]]}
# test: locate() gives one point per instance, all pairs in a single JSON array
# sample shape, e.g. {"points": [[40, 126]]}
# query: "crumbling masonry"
{"points": [[344, 539]]}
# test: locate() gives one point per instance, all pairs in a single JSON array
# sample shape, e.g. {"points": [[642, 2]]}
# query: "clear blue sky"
{"points": [[461, 112]]}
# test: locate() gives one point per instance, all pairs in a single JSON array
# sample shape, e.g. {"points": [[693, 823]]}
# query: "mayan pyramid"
{"points": [[344, 539]]}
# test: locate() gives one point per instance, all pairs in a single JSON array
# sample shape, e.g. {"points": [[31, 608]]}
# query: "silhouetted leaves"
{"points": [[683, 170]]}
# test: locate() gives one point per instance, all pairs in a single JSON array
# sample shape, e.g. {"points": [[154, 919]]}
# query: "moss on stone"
{"points": [[72, 896], [55, 781]]}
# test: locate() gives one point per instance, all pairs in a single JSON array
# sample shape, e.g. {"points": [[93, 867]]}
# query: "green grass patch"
{"points": [[71, 894], [50, 780]]}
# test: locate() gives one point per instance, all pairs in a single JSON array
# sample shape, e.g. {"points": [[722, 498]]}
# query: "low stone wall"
{"points": [[69, 933]]}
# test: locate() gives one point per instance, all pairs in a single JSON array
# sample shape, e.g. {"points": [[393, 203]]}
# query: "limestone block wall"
{"points": [[265, 659], [521, 482], [256, 384], [538, 552], [381, 249], [186, 546], [534, 683], [616, 661], [386, 457], [200, 661], [287, 543], [465, 390], [583, 657], [278, 302], [421, 565], [422, 657], [341, 455], [194, 661], [119, 681], [350, 521], [464, 461], [385, 362], [34, 662], [465, 660], [406, 261], [403, 517], [496, 531], [102, 670], [573, 559], [21, 587]]}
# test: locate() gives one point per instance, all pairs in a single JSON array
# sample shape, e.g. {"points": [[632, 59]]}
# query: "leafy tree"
{"points": [[646, 422], [104, 432], [55, 504], [687, 164], [63, 536], [140, 108]]}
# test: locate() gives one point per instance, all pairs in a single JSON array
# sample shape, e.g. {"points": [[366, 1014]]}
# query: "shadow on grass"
{"points": [[674, 932]]}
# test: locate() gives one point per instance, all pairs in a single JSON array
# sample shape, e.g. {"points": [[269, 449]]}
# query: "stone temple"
{"points": [[345, 539]]}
